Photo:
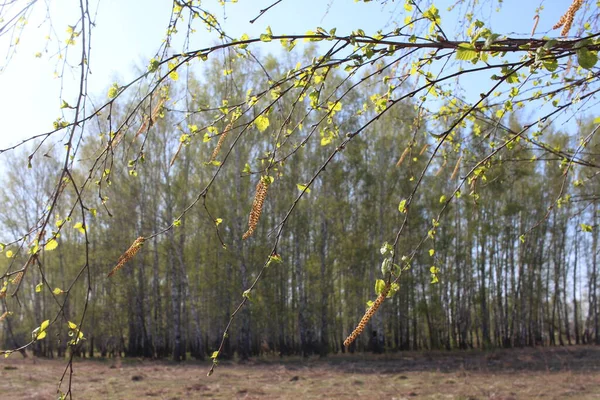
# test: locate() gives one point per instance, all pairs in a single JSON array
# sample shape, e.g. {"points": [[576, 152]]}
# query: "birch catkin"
{"points": [[403, 156], [128, 255], [367, 317], [456, 168], [215, 153], [257, 205], [566, 21]]}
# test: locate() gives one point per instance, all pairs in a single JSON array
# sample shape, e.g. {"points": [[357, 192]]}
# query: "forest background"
{"points": [[513, 263]]}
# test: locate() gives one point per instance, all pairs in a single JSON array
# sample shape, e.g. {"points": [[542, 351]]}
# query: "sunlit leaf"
{"points": [[262, 123], [51, 245], [302, 187], [79, 226]]}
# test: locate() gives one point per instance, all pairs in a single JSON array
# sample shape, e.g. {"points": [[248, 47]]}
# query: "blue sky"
{"points": [[128, 33]]}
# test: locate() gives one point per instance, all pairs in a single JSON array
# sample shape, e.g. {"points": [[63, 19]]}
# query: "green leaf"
{"points": [[431, 252], [551, 64], [393, 290], [44, 325], [9, 254], [379, 286], [596, 120], [262, 123], [402, 206], [586, 227], [72, 325], [275, 258], [153, 66], [586, 58], [79, 226], [51, 245], [302, 187], [466, 52], [113, 91], [58, 291], [177, 222], [38, 287], [386, 250], [218, 221], [267, 37], [35, 249], [41, 335]]}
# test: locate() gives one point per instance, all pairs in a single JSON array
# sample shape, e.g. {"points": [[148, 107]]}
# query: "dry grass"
{"points": [[565, 373]]}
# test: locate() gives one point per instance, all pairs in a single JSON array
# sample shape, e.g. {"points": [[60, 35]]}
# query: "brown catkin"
{"points": [[403, 156], [424, 149], [152, 117], [17, 279], [3, 292], [128, 255], [566, 21], [368, 315], [439, 171], [257, 205], [3, 316], [456, 168], [215, 153]]}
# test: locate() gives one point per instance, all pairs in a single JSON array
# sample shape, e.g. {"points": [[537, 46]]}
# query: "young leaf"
{"points": [[51, 245], [402, 206], [586, 227], [302, 187], [586, 58], [379, 286], [79, 226], [44, 325], [466, 52], [262, 123]]}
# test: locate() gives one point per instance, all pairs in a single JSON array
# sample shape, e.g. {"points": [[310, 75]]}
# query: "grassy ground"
{"points": [[558, 373]]}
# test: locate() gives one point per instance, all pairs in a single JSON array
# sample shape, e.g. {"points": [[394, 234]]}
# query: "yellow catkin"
{"points": [[367, 317], [220, 143], [128, 255], [403, 156], [17, 279], [456, 168], [257, 205], [3, 316], [566, 21]]}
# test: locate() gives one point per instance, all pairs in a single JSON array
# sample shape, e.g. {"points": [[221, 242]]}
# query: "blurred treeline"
{"points": [[174, 299]]}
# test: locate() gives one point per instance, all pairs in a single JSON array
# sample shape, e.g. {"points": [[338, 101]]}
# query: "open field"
{"points": [[548, 373]]}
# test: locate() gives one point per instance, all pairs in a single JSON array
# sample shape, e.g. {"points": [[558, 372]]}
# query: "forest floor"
{"points": [[540, 373]]}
